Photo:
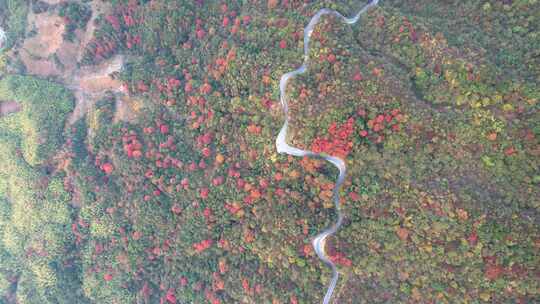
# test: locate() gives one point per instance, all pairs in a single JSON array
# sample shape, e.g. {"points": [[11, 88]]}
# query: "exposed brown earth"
{"points": [[48, 39], [67, 55], [127, 108], [91, 83], [97, 79], [47, 54], [38, 67], [8, 107]]}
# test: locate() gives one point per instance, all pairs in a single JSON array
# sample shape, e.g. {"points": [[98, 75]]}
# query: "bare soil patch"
{"points": [[127, 108], [97, 79], [38, 67], [67, 55], [8, 107], [91, 83], [48, 39], [37, 51], [99, 83], [46, 54]]}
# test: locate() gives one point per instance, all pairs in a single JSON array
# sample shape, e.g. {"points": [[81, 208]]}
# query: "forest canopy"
{"points": [[138, 159]]}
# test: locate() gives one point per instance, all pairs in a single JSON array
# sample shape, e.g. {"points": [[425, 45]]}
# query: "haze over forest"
{"points": [[139, 157]]}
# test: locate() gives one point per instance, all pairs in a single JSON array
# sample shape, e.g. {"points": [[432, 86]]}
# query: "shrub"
{"points": [[39, 125]]}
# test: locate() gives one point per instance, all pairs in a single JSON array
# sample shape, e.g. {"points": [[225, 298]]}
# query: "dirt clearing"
{"points": [[8, 107]]}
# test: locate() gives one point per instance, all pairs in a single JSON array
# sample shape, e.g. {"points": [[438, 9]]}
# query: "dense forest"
{"points": [[169, 188]]}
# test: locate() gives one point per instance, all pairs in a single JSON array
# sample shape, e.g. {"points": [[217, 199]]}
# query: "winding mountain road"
{"points": [[284, 148]]}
